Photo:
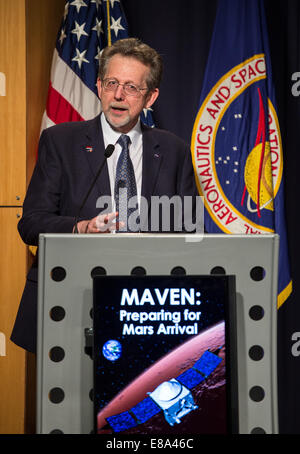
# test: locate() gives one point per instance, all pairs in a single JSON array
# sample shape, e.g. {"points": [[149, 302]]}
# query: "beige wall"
{"points": [[28, 30]]}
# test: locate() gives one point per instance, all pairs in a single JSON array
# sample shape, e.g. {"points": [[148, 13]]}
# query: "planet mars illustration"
{"points": [[209, 395]]}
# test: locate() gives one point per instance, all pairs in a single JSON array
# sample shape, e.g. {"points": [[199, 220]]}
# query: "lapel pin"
{"points": [[89, 149]]}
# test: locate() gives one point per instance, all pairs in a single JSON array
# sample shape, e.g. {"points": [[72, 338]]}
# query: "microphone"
{"points": [[107, 153]]}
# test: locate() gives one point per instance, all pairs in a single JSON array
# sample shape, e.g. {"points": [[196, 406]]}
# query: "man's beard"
{"points": [[114, 121]]}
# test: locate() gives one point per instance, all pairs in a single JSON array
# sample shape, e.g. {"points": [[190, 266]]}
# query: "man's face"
{"points": [[120, 109]]}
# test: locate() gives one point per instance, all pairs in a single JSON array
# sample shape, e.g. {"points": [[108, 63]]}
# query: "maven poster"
{"points": [[162, 354]]}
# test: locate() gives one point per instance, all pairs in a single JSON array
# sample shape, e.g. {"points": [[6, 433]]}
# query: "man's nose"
{"points": [[119, 93]]}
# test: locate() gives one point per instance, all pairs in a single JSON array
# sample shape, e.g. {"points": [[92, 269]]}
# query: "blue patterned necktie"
{"points": [[125, 184]]}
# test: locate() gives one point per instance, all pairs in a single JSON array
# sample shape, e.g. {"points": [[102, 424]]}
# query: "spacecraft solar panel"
{"points": [[121, 421], [207, 363], [145, 409], [190, 378]]}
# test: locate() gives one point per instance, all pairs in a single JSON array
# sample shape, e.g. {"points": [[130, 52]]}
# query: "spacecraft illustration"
{"points": [[173, 397]]}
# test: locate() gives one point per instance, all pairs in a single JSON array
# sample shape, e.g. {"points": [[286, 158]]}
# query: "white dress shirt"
{"points": [[135, 152]]}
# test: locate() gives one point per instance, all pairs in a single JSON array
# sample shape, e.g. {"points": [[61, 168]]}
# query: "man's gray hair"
{"points": [[134, 48]]}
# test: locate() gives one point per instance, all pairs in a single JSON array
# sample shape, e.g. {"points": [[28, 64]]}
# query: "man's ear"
{"points": [[151, 98], [99, 87]]}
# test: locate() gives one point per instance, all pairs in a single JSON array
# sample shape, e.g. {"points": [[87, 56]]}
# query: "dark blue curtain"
{"points": [[180, 31]]}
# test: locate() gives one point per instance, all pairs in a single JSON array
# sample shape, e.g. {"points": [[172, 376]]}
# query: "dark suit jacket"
{"points": [[64, 171]]}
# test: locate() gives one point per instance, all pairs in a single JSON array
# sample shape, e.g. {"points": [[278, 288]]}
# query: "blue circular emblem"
{"points": [[237, 152]]}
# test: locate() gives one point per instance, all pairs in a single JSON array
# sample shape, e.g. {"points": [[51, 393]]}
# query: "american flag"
{"points": [[88, 26]]}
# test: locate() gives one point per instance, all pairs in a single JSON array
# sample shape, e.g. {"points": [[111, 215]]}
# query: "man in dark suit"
{"points": [[70, 154]]}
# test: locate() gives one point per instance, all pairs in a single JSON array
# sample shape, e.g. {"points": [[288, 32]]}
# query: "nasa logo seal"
{"points": [[237, 152]]}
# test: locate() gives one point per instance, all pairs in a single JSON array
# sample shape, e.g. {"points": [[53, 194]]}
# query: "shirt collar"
{"points": [[111, 136]]}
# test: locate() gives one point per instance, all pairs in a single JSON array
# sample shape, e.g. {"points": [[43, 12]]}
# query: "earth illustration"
{"points": [[112, 350], [209, 395]]}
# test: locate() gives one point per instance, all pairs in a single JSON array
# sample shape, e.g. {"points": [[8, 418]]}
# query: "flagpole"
{"points": [[108, 24]]}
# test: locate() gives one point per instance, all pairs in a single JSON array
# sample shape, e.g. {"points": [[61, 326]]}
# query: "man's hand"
{"points": [[103, 223]]}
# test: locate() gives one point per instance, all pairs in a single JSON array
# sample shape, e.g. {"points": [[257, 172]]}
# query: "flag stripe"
{"points": [[71, 87], [46, 122], [58, 109]]}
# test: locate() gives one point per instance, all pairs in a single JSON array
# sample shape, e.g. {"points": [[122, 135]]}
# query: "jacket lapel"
{"points": [[152, 161], [94, 151]]}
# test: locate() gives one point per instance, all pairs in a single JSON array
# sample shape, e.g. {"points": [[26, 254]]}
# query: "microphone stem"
{"points": [[108, 152]]}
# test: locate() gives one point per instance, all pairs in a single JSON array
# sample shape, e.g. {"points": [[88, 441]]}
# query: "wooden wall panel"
{"points": [[12, 190], [13, 104], [43, 19], [12, 363], [28, 30]]}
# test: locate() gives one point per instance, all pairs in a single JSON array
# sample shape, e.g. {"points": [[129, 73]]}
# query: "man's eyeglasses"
{"points": [[130, 89]]}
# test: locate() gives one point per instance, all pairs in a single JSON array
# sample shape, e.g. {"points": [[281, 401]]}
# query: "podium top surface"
{"points": [[160, 235]]}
